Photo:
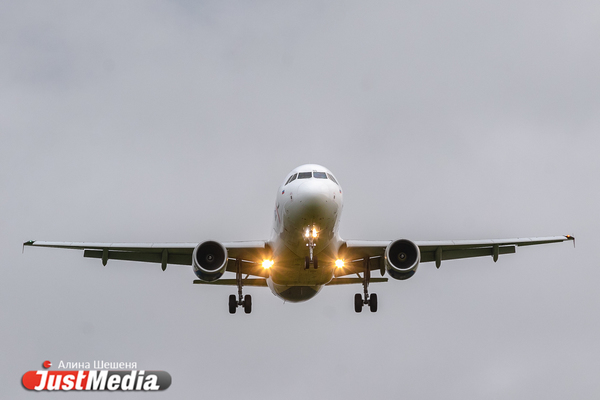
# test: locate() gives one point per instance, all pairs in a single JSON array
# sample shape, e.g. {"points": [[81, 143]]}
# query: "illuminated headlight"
{"points": [[314, 233], [267, 264], [339, 263]]}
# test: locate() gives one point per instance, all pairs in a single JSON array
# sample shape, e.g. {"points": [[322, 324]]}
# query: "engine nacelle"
{"points": [[402, 259], [209, 261]]}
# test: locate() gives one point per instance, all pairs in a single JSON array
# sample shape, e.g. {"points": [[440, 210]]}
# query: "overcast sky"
{"points": [[146, 121]]}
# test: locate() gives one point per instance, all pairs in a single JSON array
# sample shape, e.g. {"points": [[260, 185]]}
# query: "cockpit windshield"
{"points": [[332, 178], [314, 174], [291, 179]]}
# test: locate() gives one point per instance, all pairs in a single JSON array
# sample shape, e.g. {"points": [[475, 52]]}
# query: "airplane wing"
{"points": [[356, 251], [165, 253]]}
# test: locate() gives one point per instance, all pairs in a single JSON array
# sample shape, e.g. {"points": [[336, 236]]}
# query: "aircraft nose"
{"points": [[316, 197]]}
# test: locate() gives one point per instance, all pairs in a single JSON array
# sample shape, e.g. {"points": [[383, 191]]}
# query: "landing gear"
{"points": [[232, 304], [243, 301], [247, 304], [307, 262], [358, 302], [371, 300], [310, 237]]}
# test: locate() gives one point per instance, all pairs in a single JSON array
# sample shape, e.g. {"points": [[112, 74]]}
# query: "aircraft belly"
{"points": [[290, 267], [294, 294], [291, 276]]}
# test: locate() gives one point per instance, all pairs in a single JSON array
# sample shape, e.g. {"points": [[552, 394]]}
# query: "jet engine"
{"points": [[402, 259], [209, 261]]}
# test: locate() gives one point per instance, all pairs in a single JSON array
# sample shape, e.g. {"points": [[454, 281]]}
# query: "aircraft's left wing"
{"points": [[165, 253], [356, 251]]}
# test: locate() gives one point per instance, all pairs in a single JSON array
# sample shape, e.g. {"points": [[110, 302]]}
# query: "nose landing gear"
{"points": [[243, 301], [359, 300], [310, 236]]}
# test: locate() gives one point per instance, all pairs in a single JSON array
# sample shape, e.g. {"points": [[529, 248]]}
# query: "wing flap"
{"points": [[358, 266], [427, 256], [351, 281], [172, 258], [233, 282], [247, 268]]}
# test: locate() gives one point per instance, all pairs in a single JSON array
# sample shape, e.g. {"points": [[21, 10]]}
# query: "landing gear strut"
{"points": [[241, 300], [310, 236], [371, 301]]}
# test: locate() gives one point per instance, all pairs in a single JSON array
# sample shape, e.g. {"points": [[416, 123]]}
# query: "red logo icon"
{"points": [[47, 364]]}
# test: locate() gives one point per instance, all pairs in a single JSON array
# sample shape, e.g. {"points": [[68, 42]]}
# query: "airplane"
{"points": [[305, 251]]}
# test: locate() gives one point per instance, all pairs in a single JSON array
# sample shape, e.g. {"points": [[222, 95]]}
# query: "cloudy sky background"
{"points": [[151, 121]]}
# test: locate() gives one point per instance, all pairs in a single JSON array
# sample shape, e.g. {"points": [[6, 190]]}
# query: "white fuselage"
{"points": [[309, 205]]}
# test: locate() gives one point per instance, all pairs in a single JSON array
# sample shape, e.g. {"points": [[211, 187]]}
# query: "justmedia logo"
{"points": [[95, 380]]}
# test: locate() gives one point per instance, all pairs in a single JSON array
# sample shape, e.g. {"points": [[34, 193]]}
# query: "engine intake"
{"points": [[402, 259], [209, 260]]}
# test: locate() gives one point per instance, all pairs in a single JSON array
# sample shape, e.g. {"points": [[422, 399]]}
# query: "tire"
{"points": [[247, 304], [373, 302], [307, 262], [232, 304], [315, 262], [358, 302]]}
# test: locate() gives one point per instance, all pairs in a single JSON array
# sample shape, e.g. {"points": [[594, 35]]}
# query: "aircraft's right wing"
{"points": [[356, 251]]}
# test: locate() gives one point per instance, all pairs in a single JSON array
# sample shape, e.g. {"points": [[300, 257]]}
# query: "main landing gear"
{"points": [[241, 300], [359, 300], [246, 302]]}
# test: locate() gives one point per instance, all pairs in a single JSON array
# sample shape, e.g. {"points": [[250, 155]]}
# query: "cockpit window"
{"points": [[291, 179], [319, 175], [332, 178], [304, 175]]}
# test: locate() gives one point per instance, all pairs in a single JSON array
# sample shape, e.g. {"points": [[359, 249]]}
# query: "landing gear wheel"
{"points": [[358, 302], [232, 304], [373, 302], [315, 262], [307, 262], [247, 304]]}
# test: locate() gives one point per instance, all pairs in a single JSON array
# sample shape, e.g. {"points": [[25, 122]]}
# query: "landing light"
{"points": [[314, 233], [267, 264], [339, 263]]}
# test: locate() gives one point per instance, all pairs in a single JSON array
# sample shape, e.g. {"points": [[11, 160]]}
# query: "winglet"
{"points": [[27, 243], [571, 237]]}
